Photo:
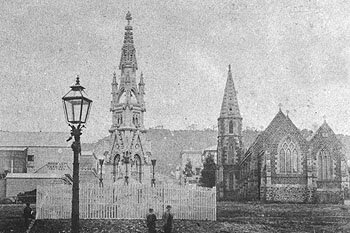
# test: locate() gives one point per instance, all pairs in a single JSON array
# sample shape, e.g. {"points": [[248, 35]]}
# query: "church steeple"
{"points": [[229, 141], [229, 107], [128, 56]]}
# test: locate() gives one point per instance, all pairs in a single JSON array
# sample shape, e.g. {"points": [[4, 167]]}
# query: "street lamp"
{"points": [[101, 160], [153, 184], [76, 109]]}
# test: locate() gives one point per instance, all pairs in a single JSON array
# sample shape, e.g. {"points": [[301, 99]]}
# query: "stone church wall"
{"points": [[287, 193], [329, 196]]}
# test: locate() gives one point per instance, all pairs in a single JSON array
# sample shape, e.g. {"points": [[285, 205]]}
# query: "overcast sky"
{"points": [[296, 53]]}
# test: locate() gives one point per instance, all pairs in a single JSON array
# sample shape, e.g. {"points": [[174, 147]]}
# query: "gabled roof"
{"points": [[34, 139], [280, 120], [277, 122], [325, 129]]}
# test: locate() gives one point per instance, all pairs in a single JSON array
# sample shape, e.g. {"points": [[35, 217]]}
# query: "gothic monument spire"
{"points": [[128, 56], [128, 135]]}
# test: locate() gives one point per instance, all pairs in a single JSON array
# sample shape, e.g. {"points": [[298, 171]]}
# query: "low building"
{"points": [[23, 182], [30, 154], [194, 158], [210, 152]]}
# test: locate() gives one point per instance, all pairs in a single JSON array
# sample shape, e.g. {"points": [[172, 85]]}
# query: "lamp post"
{"points": [[153, 184], [76, 107], [101, 160]]}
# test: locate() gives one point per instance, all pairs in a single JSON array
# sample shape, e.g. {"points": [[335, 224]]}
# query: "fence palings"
{"points": [[126, 201]]}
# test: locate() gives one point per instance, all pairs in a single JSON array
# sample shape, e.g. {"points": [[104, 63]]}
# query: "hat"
{"points": [[168, 206]]}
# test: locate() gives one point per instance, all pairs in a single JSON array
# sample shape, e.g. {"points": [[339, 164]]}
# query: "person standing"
{"points": [[151, 221], [27, 214], [168, 219]]}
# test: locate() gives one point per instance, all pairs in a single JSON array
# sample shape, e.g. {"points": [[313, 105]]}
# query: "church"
{"points": [[282, 164]]}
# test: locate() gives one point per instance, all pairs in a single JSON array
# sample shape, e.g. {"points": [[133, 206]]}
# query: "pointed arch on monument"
{"points": [[138, 167], [116, 161]]}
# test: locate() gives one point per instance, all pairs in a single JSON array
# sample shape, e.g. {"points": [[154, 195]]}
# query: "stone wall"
{"points": [[329, 196], [289, 193]]}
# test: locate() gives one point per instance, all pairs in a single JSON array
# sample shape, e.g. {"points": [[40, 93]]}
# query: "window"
{"points": [[324, 165], [289, 160], [30, 158], [230, 127]]}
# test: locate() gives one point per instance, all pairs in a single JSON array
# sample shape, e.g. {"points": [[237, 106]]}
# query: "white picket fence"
{"points": [[126, 201]]}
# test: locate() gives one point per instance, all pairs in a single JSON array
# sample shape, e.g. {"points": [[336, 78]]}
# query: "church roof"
{"points": [[229, 107], [325, 131]]}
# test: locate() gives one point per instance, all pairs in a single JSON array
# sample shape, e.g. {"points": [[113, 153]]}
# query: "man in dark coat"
{"points": [[168, 218], [151, 221], [27, 214]]}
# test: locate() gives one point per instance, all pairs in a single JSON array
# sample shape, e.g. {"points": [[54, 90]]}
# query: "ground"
{"points": [[232, 217]]}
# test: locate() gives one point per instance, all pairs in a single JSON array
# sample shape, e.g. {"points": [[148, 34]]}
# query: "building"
{"points": [[196, 158], [24, 154], [281, 165], [128, 153], [229, 148], [210, 152], [193, 157], [29, 151], [23, 182]]}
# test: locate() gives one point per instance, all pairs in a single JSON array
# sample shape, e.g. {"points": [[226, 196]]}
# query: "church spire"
{"points": [[128, 57], [229, 107]]}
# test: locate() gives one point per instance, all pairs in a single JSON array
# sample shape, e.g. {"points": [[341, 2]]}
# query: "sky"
{"points": [[293, 53]]}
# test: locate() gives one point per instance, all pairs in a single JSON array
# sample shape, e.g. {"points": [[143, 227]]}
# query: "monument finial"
{"points": [[128, 17]]}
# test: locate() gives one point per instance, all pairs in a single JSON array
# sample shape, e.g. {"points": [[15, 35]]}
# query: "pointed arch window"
{"points": [[324, 165], [289, 157], [230, 127]]}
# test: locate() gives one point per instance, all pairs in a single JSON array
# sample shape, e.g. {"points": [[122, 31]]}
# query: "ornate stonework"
{"points": [[128, 155]]}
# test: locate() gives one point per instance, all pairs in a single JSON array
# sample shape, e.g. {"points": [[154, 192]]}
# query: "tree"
{"points": [[208, 177], [188, 172]]}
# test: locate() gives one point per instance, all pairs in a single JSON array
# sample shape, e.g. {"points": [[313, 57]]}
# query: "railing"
{"points": [[126, 201]]}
